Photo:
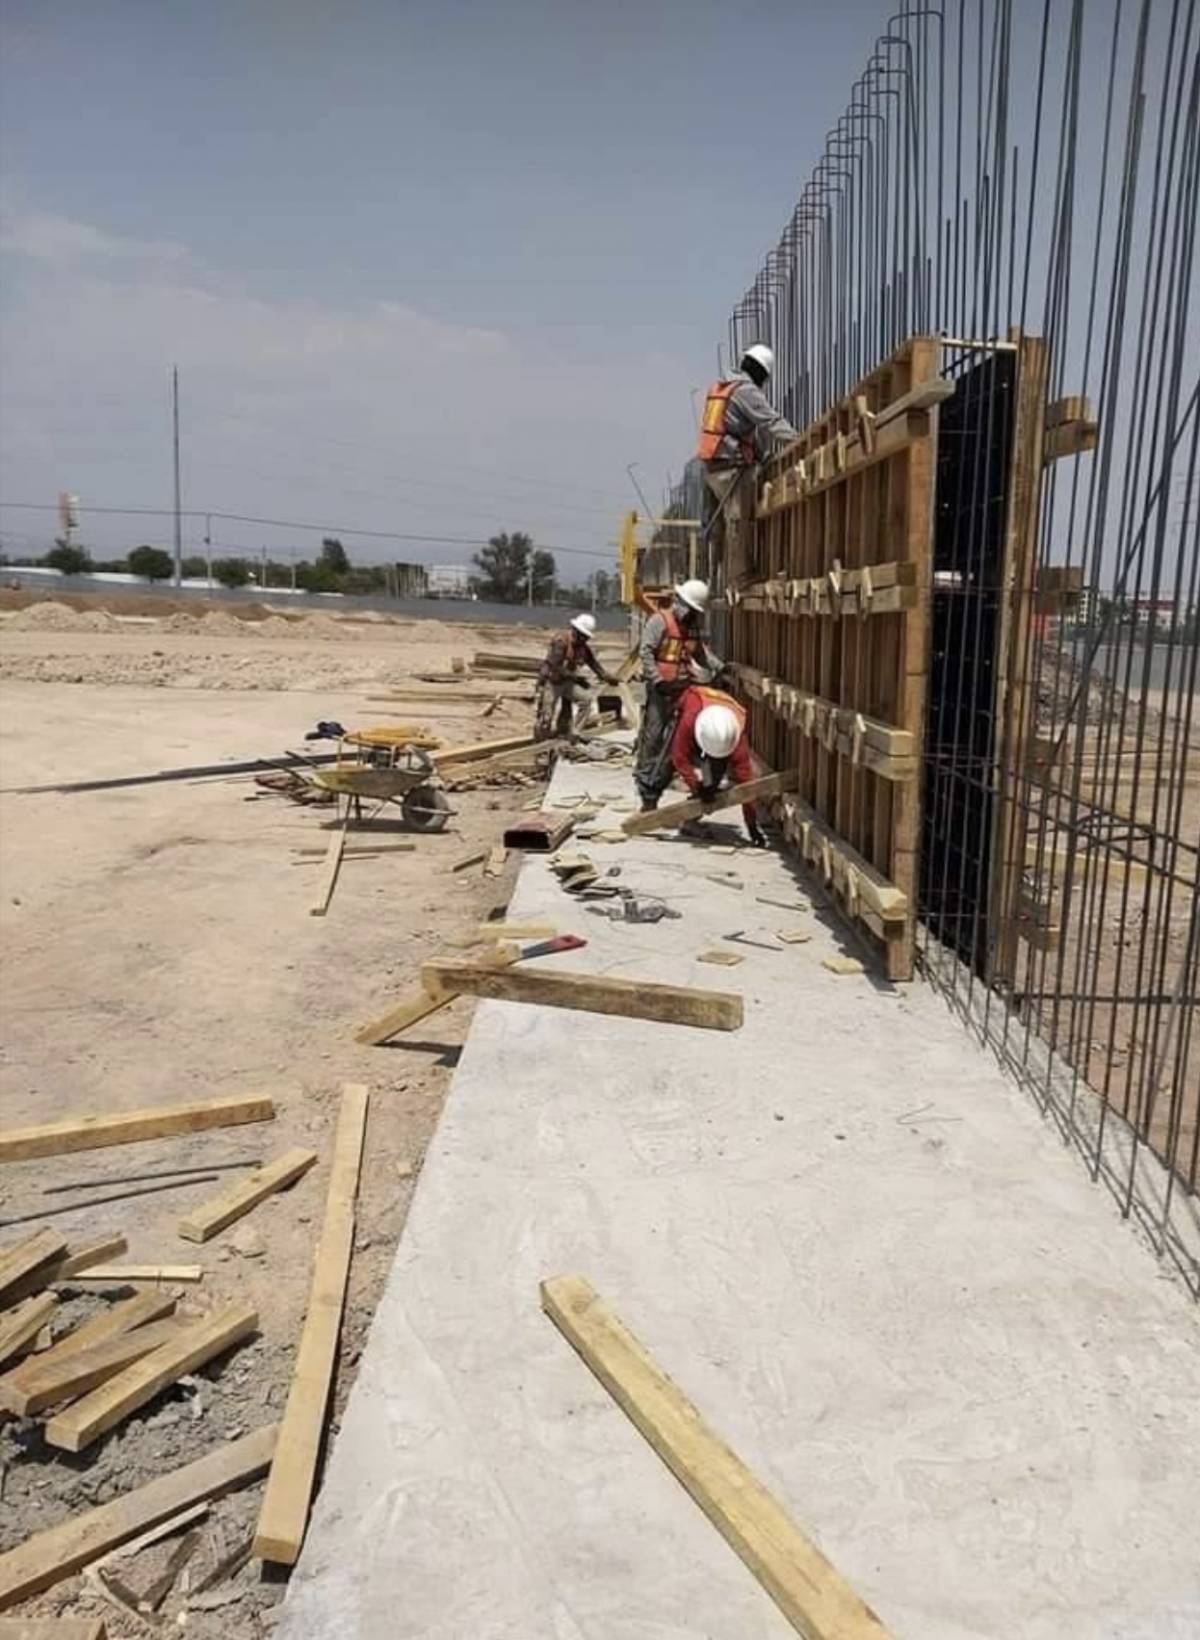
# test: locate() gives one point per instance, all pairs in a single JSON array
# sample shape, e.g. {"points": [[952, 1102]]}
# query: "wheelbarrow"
{"points": [[381, 766]]}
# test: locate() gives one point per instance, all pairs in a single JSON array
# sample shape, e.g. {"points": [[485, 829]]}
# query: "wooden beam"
{"points": [[109, 1323], [20, 1326], [114, 1274], [67, 1266], [47, 1382], [204, 1221], [767, 785], [592, 993], [192, 1346], [329, 876], [52, 1628], [481, 748], [26, 1259], [128, 1127], [808, 1589], [49, 1556], [425, 1000], [288, 1496], [1070, 438], [936, 390], [857, 879]]}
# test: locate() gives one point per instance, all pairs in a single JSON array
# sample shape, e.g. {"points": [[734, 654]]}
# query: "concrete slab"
{"points": [[849, 1239]]}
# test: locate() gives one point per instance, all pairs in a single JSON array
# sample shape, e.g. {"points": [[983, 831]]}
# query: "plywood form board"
{"points": [[829, 614]]}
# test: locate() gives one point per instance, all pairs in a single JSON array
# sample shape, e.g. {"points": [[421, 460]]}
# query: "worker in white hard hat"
{"points": [[560, 680], [710, 746], [673, 656], [740, 428]]}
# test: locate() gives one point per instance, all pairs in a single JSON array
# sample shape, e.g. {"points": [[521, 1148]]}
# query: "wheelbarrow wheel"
{"points": [[425, 808]]}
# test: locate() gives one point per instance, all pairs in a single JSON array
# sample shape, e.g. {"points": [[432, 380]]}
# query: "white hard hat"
{"points": [[694, 594], [585, 624], [761, 354], [717, 731]]}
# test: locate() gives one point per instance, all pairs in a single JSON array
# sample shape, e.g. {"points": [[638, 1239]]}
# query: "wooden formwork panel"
{"points": [[827, 591]]}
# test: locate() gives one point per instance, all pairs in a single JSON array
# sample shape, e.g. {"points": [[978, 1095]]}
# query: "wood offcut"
{"points": [[74, 1133], [808, 1589]]}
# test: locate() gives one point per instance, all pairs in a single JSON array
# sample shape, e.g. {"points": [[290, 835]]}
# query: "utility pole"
{"points": [[529, 582], [175, 442], [208, 545]]}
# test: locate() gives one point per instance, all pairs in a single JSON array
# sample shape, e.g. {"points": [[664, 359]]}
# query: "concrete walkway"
{"points": [[852, 1243]]}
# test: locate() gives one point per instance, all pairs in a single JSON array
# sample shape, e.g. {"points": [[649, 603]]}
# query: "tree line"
{"points": [[510, 570]]}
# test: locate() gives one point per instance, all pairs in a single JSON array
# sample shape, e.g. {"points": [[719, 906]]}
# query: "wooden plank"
{"points": [[26, 1259], [52, 1628], [192, 1346], [751, 791], [1077, 407], [49, 1556], [74, 1133], [841, 865], [67, 1266], [481, 748], [496, 861], [109, 1323], [517, 931], [426, 1000], [114, 1274], [288, 1496], [934, 390], [47, 1382], [329, 877], [205, 1221], [20, 1326], [1070, 438], [808, 1589], [592, 993]]}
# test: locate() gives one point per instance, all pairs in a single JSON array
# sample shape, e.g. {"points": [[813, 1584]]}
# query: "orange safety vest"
{"points": [[674, 647], [715, 422]]}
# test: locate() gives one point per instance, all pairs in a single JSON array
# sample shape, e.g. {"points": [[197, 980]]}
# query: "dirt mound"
{"points": [[47, 616]]}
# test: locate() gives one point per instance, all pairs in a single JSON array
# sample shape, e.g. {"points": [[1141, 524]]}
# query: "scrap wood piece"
{"points": [[495, 862], [45, 1558], [481, 748], [48, 1382], [110, 1323], [470, 860], [204, 1221], [842, 965], [767, 785], [67, 1266], [425, 1000], [115, 1274], [721, 959], [539, 833], [808, 1589], [286, 1500], [25, 1259], [20, 1326], [190, 1348], [333, 864], [358, 851], [74, 1133], [793, 936], [52, 1628], [593, 993], [517, 930]]}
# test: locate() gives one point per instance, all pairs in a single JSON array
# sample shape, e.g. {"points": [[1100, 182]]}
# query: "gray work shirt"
{"points": [[752, 415]]}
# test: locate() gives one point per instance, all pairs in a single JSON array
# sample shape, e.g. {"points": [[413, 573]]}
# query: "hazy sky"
{"points": [[409, 258]]}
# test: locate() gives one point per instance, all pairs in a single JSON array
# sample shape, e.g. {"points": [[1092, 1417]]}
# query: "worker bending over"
{"points": [[741, 427], [709, 744], [559, 677], [673, 656]]}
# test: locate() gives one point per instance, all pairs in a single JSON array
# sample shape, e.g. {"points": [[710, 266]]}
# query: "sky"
{"points": [[437, 269]]}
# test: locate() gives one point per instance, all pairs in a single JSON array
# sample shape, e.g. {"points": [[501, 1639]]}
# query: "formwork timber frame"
{"points": [[827, 589]]}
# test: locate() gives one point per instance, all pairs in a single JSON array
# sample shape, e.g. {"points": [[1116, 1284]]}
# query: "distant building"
{"points": [[412, 580], [1156, 612], [449, 581]]}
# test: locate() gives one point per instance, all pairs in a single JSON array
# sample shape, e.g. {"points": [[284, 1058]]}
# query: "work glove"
{"points": [[757, 837], [611, 679], [707, 793]]}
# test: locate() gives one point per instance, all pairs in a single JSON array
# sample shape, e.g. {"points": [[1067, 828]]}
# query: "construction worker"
{"points": [[710, 743], [673, 656], [741, 427], [559, 677]]}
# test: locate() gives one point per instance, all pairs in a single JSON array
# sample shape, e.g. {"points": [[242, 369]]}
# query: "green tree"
{"points": [[333, 556], [504, 567], [70, 560], [318, 577], [151, 563], [231, 572], [195, 568], [544, 574]]}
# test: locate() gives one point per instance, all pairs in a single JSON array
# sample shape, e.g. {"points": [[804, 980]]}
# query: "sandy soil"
{"points": [[158, 947]]}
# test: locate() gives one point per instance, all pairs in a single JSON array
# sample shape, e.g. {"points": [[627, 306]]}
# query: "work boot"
{"points": [[648, 804]]}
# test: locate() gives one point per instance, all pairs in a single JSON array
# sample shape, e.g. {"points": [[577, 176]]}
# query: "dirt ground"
{"points": [[158, 947]]}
